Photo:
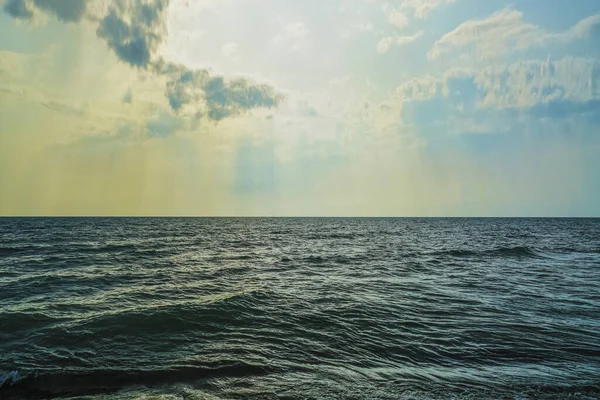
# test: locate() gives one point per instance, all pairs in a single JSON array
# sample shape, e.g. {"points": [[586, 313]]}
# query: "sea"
{"points": [[299, 308]]}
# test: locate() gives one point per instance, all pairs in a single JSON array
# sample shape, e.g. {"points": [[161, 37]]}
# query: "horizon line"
{"points": [[301, 216]]}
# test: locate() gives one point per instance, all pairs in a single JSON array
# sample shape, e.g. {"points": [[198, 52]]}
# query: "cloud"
{"points": [[491, 36], [395, 17], [396, 10], [66, 11], [587, 27], [422, 8], [402, 40], [527, 83], [387, 42], [224, 99], [384, 44], [518, 85], [199, 93], [134, 29], [504, 32], [20, 9], [499, 97], [163, 125], [422, 88]]}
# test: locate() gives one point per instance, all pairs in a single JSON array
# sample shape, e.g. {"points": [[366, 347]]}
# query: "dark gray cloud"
{"points": [[184, 86], [134, 30], [128, 44], [19, 9], [65, 10], [213, 96], [226, 99]]}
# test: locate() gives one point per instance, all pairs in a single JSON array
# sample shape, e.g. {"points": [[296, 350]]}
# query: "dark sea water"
{"points": [[299, 308]]}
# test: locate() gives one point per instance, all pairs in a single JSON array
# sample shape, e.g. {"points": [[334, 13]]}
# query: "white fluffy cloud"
{"points": [[528, 83], [509, 98], [503, 32], [419, 8], [587, 27], [491, 36], [386, 43], [395, 17], [398, 13], [519, 85]]}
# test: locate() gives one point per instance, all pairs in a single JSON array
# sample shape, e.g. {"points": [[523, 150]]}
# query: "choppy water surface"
{"points": [[300, 308]]}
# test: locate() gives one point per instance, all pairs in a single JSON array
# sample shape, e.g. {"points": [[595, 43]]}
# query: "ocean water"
{"points": [[220, 308]]}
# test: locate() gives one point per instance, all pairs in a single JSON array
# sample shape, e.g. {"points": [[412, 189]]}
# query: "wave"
{"points": [[335, 259], [516, 251], [69, 384], [23, 321], [244, 244], [519, 251], [348, 236], [48, 385], [68, 248], [6, 251], [237, 257], [578, 250], [10, 250], [106, 248], [383, 316], [522, 392], [174, 317]]}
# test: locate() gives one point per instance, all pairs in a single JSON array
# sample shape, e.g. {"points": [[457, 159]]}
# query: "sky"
{"points": [[300, 107]]}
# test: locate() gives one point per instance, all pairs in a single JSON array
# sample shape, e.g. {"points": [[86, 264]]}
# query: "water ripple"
{"points": [[300, 308]]}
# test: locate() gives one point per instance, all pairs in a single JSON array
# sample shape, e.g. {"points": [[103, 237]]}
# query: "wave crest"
{"points": [[514, 251], [40, 385]]}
